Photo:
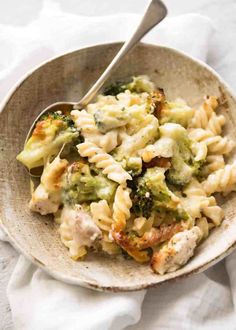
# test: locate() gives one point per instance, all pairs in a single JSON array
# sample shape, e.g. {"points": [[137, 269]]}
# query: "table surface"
{"points": [[222, 12]]}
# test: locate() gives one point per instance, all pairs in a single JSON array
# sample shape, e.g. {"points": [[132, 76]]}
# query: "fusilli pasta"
{"points": [[121, 208], [203, 225], [216, 144], [86, 123], [102, 215], [213, 163], [222, 180], [198, 204], [110, 167], [215, 123], [204, 113]]}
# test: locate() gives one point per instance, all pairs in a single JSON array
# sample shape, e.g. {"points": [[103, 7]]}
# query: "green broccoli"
{"points": [[115, 89], [138, 84], [110, 118], [151, 193], [51, 132], [142, 201], [183, 165], [169, 215], [141, 84], [85, 185], [180, 173]]}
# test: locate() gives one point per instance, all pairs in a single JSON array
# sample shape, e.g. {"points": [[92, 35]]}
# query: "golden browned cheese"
{"points": [[158, 235], [38, 131], [134, 246], [52, 175]]}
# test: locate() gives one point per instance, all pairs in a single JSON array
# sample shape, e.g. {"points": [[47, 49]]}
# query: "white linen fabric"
{"points": [[38, 301]]}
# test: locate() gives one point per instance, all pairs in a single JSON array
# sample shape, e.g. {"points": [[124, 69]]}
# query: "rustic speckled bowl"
{"points": [[67, 78]]}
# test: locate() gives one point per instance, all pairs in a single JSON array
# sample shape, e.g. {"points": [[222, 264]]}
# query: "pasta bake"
{"points": [[133, 175]]}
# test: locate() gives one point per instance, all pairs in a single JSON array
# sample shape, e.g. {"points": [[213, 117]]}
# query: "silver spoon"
{"points": [[154, 14]]}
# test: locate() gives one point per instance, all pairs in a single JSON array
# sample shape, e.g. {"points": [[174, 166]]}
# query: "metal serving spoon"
{"points": [[154, 14]]}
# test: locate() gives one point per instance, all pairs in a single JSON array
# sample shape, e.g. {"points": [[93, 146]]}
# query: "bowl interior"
{"points": [[67, 78]]}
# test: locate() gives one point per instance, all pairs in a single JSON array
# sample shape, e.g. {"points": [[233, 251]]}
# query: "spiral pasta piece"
{"points": [[200, 150], [121, 208], [213, 163], [198, 204], [216, 123], [194, 188], [203, 225], [215, 143], [102, 215], [206, 118], [222, 180], [213, 211], [86, 123], [102, 160], [203, 114]]}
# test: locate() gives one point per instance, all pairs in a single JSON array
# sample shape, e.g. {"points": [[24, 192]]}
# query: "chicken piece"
{"points": [[78, 227], [176, 252], [46, 198], [134, 245], [42, 203]]}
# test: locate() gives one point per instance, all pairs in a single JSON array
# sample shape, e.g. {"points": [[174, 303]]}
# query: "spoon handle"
{"points": [[154, 14]]}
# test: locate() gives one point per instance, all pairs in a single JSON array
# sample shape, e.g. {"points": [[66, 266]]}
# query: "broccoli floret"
{"points": [[138, 84], [142, 202], [141, 84], [180, 173], [183, 165], [154, 180], [83, 185], [169, 215], [180, 136], [110, 118], [151, 193], [176, 112], [51, 132], [57, 115], [114, 89]]}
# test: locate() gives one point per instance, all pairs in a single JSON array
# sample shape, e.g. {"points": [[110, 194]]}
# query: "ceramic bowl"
{"points": [[67, 78]]}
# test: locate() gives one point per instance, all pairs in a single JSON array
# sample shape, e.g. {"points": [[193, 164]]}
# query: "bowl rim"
{"points": [[89, 284]]}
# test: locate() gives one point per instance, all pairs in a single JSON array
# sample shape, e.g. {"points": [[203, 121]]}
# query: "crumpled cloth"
{"points": [[38, 301]]}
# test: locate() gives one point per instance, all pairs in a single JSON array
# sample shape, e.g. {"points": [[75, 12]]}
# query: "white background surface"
{"points": [[20, 13]]}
